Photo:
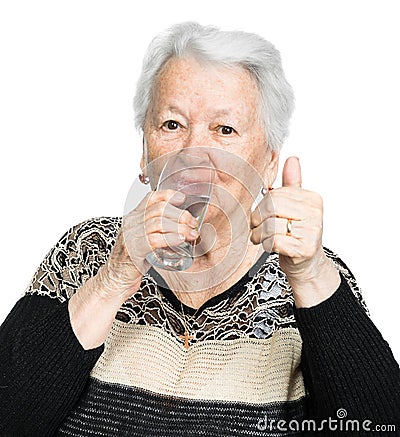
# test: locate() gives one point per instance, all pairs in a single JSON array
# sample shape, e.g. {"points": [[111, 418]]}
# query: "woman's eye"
{"points": [[171, 125], [226, 130]]}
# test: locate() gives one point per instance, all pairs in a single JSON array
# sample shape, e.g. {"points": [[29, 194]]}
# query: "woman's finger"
{"points": [[285, 202], [277, 206], [161, 203], [164, 225], [157, 240], [169, 211], [277, 225], [284, 245], [301, 248]]}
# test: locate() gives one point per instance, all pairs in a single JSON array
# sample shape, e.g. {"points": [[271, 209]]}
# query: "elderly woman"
{"points": [[275, 341]]}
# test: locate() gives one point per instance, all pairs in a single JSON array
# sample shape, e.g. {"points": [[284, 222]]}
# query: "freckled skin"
{"points": [[217, 107], [202, 97]]}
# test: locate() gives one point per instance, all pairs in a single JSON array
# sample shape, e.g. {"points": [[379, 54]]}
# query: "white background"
{"points": [[70, 151]]}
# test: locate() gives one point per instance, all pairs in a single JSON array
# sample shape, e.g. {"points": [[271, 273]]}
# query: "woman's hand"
{"points": [[155, 223], [289, 220]]}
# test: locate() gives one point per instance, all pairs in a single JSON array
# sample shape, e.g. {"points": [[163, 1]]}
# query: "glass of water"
{"points": [[192, 175]]}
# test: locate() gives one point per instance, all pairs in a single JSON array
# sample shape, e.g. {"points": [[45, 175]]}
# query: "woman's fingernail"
{"points": [[180, 197], [194, 233]]}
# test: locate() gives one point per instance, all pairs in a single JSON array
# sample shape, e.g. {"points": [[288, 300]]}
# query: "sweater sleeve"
{"points": [[349, 370], [43, 367]]}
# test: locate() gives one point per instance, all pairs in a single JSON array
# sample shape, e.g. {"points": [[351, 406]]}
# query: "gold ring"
{"points": [[289, 227]]}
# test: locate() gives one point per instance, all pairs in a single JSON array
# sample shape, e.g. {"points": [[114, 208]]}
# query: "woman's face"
{"points": [[200, 105]]}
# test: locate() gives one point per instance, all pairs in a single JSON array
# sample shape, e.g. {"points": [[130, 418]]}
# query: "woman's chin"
{"points": [[225, 213]]}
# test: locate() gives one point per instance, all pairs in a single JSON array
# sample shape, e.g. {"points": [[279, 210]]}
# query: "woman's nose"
{"points": [[197, 145], [198, 137]]}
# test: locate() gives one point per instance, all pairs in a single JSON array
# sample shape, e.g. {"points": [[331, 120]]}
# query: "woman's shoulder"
{"points": [[97, 232], [347, 274], [107, 225], [76, 257]]}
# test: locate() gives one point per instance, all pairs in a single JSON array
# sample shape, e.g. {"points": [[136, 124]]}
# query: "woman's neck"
{"points": [[212, 274]]}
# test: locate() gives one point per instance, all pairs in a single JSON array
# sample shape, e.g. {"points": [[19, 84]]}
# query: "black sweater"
{"points": [[256, 366]]}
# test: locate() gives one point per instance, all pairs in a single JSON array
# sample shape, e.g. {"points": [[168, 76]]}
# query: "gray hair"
{"points": [[231, 48]]}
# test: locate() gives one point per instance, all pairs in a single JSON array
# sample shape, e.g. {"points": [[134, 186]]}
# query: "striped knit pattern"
{"points": [[244, 364]]}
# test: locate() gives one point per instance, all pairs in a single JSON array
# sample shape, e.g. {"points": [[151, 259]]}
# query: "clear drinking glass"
{"points": [[193, 176]]}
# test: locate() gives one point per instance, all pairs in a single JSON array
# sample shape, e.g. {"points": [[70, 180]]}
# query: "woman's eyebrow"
{"points": [[227, 115], [172, 108], [222, 112]]}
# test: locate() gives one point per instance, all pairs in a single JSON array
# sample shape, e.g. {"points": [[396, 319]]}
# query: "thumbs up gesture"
{"points": [[289, 220]]}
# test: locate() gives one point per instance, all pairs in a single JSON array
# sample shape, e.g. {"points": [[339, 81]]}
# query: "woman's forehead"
{"points": [[188, 80]]}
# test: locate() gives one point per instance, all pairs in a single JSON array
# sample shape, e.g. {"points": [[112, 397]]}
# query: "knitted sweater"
{"points": [[256, 365]]}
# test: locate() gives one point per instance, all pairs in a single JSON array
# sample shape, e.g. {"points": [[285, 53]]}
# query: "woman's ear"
{"points": [[144, 159], [272, 168]]}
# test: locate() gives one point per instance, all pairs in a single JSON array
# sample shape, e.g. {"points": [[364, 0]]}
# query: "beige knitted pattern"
{"points": [[242, 370]]}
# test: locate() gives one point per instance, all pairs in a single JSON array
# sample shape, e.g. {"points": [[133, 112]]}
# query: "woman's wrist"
{"points": [[93, 307], [116, 283], [318, 285]]}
